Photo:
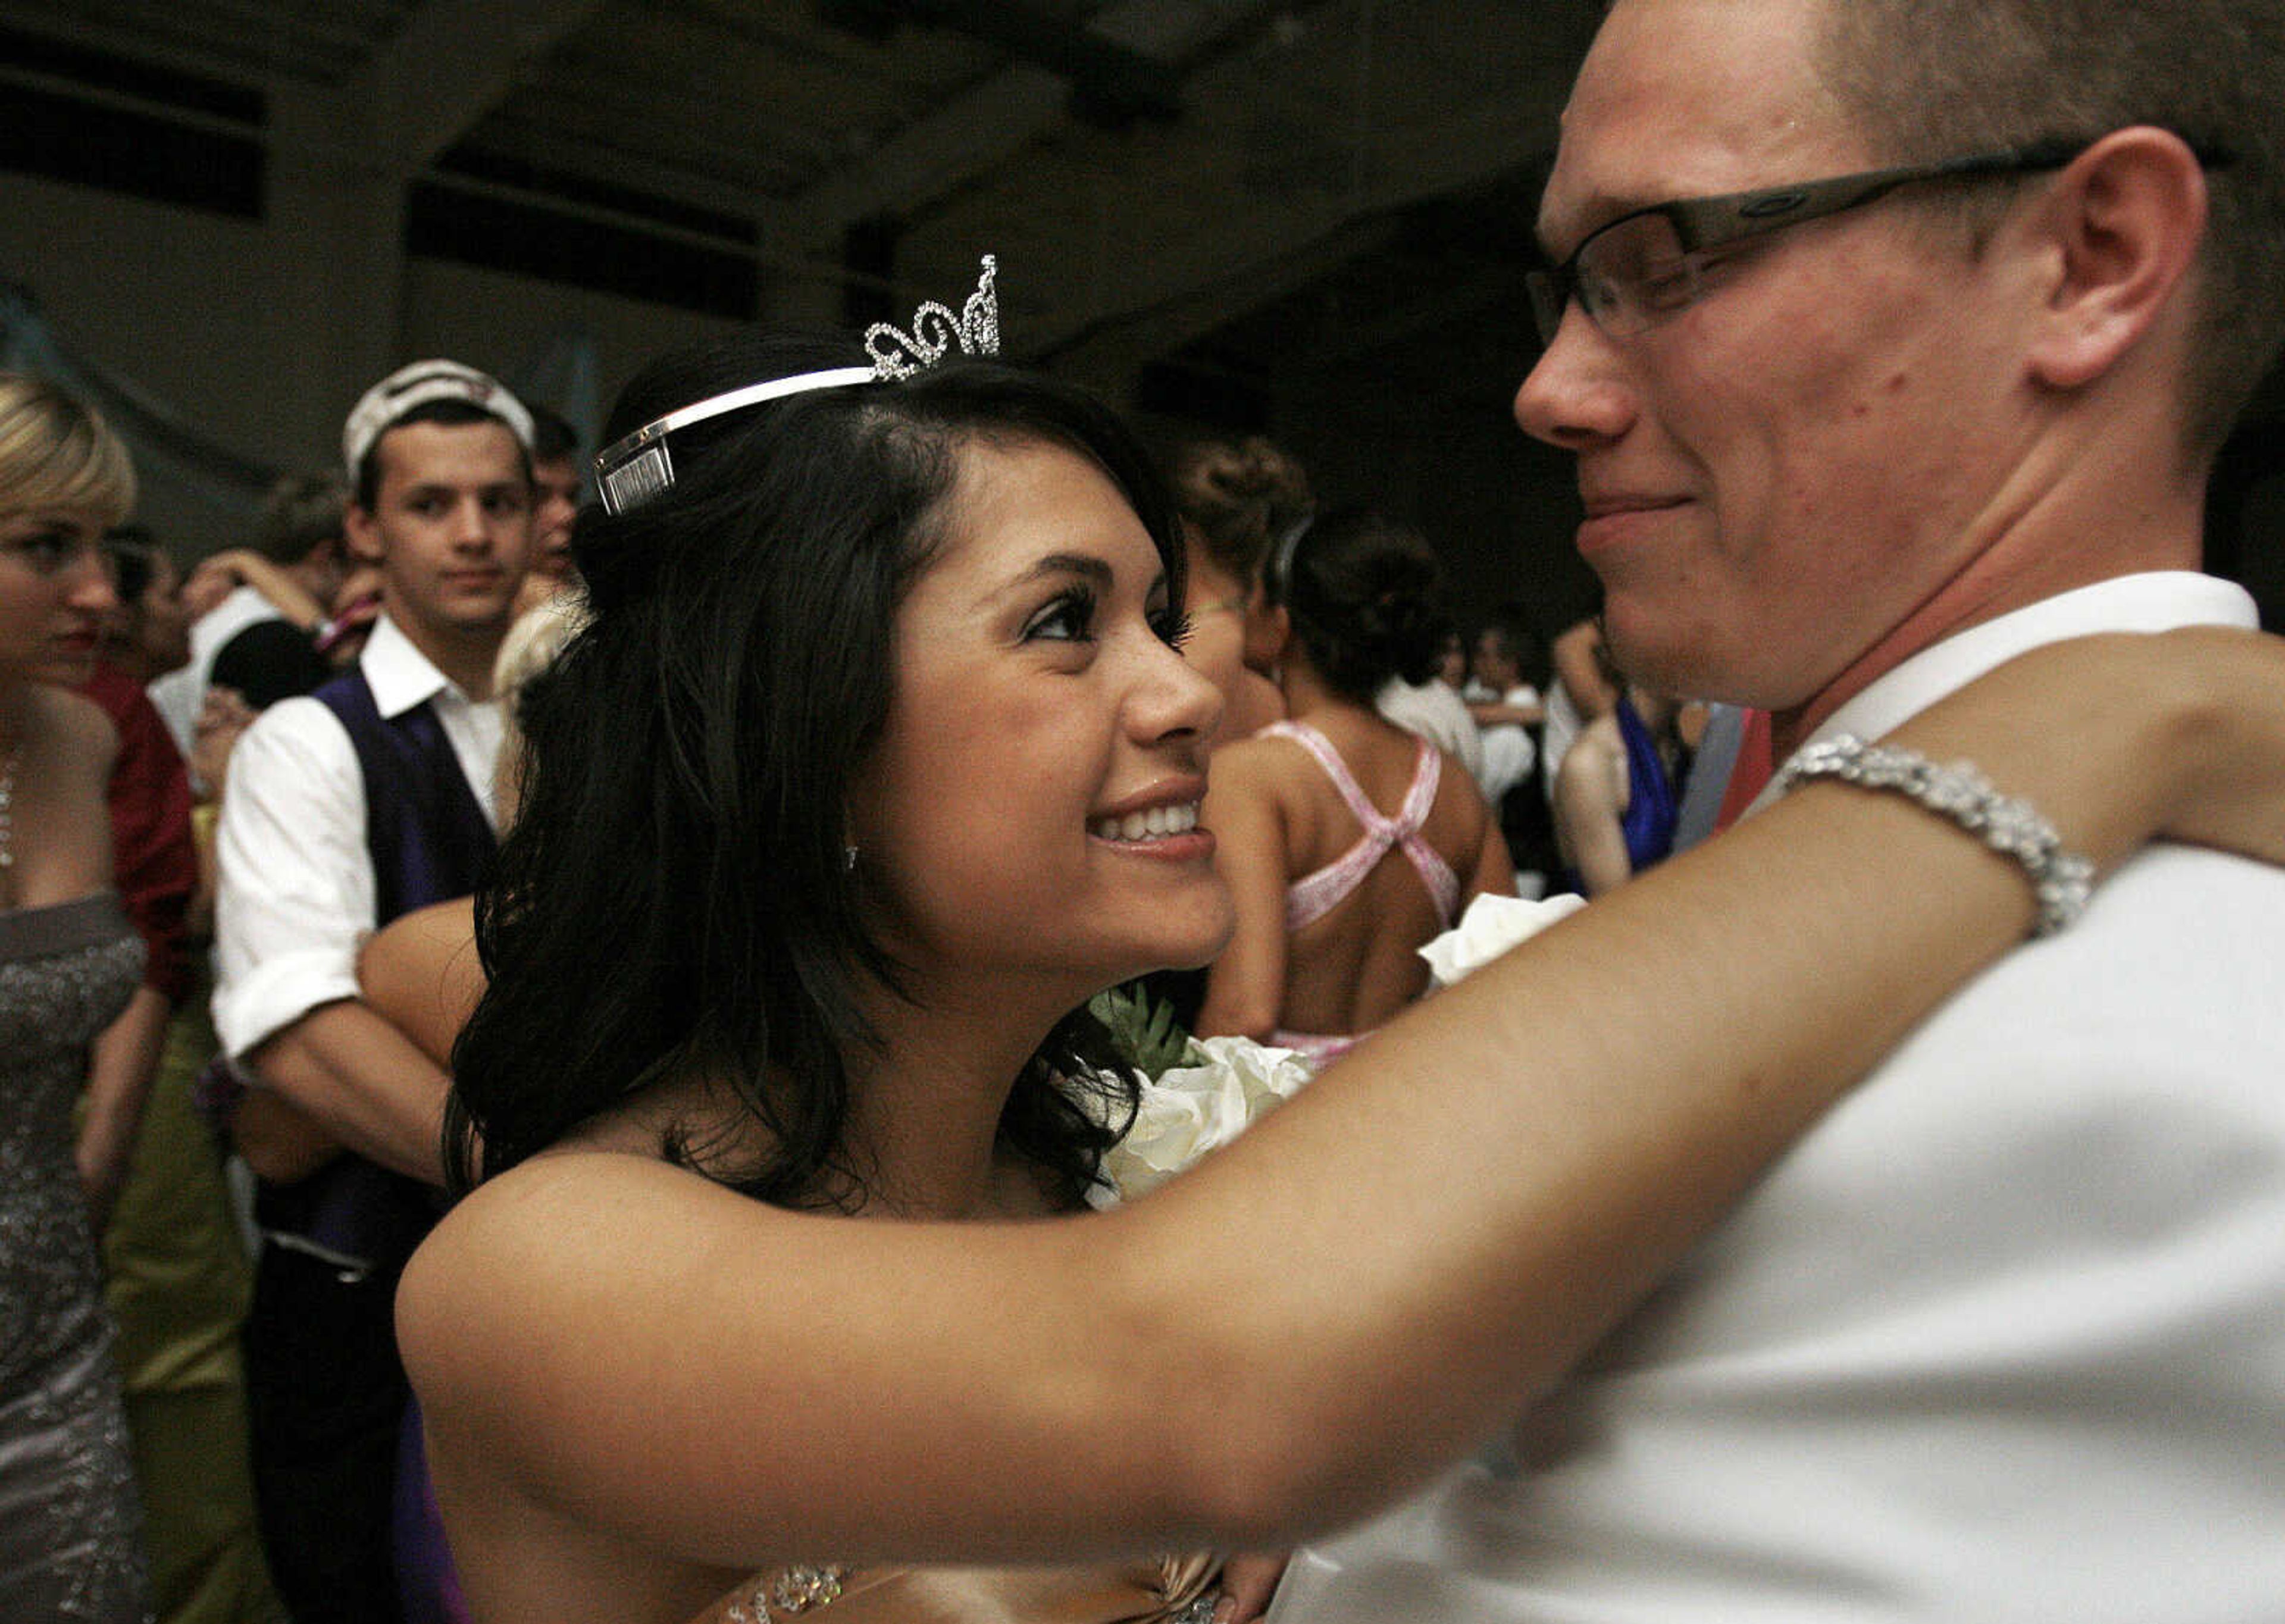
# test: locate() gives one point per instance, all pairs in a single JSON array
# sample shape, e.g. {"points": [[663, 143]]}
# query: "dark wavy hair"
{"points": [[673, 898], [1362, 590]]}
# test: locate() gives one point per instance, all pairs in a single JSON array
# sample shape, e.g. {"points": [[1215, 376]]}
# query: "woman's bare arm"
{"points": [[1591, 805], [421, 974], [1493, 872], [122, 1062], [243, 566], [1578, 656], [1245, 987], [610, 1350]]}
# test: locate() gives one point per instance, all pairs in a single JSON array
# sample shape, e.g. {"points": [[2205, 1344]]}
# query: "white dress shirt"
{"points": [[2002, 1340], [177, 694], [1436, 713], [1508, 748], [1556, 732], [296, 896]]}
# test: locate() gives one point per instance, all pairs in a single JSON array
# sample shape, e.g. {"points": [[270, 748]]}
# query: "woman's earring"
{"points": [[848, 859]]}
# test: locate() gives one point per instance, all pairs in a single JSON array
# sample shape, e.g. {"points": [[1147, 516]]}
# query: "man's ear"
{"points": [[2125, 219], [362, 535]]}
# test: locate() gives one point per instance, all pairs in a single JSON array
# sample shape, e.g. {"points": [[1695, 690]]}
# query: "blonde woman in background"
{"points": [[70, 1527]]}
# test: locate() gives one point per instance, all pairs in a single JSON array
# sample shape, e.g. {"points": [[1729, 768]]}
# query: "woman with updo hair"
{"points": [[1239, 500], [1348, 842]]}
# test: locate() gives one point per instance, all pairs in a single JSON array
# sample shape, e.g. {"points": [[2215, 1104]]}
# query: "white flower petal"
{"points": [[1196, 1109], [1491, 926]]}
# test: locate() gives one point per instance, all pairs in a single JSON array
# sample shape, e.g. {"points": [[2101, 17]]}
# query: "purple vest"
{"points": [[427, 835], [429, 841]]}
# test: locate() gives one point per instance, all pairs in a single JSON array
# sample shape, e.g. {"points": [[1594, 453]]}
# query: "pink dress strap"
{"points": [[1313, 895]]}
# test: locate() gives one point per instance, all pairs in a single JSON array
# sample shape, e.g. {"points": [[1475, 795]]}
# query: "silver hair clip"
{"points": [[637, 467], [1279, 574]]}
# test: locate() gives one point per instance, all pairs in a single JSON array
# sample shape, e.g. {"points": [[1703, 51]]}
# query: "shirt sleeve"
{"points": [[294, 901]]}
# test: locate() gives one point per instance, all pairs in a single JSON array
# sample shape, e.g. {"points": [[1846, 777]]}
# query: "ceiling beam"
{"points": [[988, 125], [1175, 260], [581, 153], [1185, 269], [1119, 82], [452, 64]]}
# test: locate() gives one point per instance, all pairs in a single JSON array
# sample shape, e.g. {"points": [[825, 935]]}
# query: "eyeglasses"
{"points": [[1648, 266]]}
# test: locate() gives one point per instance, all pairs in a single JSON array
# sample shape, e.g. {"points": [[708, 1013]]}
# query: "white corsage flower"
{"points": [[1222, 1086], [1489, 929]]}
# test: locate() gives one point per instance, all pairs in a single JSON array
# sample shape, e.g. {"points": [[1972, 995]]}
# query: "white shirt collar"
{"points": [[399, 674], [2161, 600]]}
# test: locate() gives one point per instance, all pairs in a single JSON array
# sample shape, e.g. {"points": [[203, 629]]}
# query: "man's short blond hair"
{"points": [[1936, 79]]}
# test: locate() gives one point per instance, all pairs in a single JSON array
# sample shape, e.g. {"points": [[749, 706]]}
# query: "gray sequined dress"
{"points": [[70, 1530]]}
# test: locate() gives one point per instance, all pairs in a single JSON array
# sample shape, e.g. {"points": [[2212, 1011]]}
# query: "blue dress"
{"points": [[1653, 809]]}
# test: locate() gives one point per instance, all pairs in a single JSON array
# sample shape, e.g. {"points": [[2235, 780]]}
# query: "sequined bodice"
{"points": [[65, 972], [1167, 1590]]}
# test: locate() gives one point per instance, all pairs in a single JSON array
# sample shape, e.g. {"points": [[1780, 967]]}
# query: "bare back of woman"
{"points": [[1356, 964], [1348, 842]]}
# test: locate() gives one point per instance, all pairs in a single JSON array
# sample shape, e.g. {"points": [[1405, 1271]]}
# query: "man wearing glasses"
{"points": [[1893, 338]]}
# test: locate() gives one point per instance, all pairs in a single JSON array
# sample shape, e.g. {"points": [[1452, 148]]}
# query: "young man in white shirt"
{"points": [[364, 800], [1895, 337]]}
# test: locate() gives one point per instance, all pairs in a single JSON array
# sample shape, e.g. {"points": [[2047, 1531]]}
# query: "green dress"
{"points": [[178, 1285]]}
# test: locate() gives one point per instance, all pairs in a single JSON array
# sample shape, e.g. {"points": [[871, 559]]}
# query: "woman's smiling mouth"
{"points": [[1155, 823]]}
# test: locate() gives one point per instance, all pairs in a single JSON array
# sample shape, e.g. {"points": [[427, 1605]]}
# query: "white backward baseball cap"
{"points": [[385, 404]]}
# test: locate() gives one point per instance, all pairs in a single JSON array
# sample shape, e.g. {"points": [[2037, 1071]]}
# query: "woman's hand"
{"points": [[1248, 1581], [214, 580], [2200, 714], [223, 715]]}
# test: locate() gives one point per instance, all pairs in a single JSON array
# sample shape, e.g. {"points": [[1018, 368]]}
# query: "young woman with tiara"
{"points": [[877, 757]]}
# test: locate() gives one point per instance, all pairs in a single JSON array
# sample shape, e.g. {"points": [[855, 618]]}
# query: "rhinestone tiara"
{"points": [[637, 467], [936, 330]]}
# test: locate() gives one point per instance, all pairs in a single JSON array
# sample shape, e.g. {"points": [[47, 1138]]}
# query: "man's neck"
{"points": [[1999, 580], [465, 655]]}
